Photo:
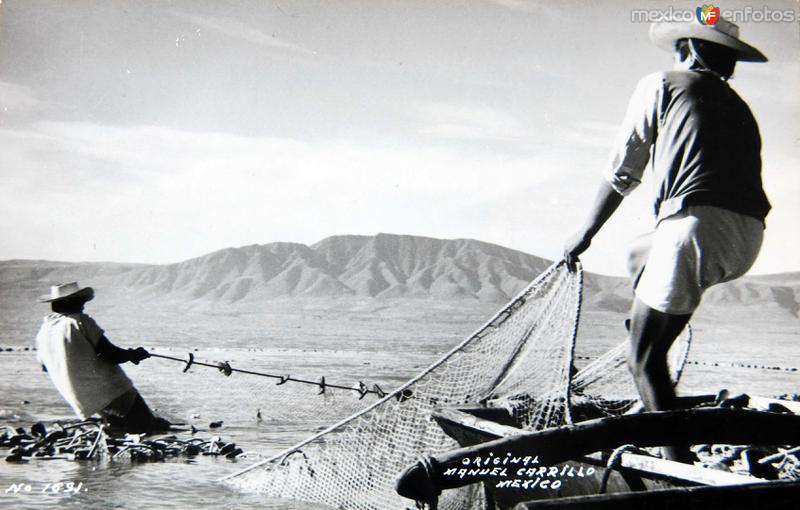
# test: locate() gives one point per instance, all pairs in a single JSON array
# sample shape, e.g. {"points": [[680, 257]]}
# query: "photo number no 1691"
{"points": [[48, 488]]}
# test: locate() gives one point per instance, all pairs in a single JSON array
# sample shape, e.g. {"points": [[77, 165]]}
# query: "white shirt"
{"points": [[66, 346]]}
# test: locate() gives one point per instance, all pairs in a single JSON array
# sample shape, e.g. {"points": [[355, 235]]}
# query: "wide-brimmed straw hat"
{"points": [[723, 32], [67, 290]]}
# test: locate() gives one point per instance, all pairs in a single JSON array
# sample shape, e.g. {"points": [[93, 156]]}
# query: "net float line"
{"points": [[227, 369]]}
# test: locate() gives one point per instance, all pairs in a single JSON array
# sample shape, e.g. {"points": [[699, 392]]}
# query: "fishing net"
{"points": [[522, 357], [606, 385], [788, 467]]}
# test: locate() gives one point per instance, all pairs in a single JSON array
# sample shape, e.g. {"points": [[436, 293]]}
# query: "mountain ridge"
{"points": [[383, 266]]}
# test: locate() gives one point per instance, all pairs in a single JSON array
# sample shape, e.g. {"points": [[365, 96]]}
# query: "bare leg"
{"points": [[652, 333]]}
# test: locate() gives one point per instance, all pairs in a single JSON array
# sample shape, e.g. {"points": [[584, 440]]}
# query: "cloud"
{"points": [[596, 126], [18, 98], [239, 30], [781, 237], [529, 6], [472, 122], [468, 122], [590, 134], [80, 191], [152, 194]]}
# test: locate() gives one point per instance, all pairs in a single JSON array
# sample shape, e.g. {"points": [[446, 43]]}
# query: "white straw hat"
{"points": [[723, 32], [67, 290]]}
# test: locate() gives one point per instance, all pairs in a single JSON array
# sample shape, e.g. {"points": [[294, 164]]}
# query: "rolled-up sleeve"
{"points": [[631, 151]]}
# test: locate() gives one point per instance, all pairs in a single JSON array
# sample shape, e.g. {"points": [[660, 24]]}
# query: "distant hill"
{"points": [[384, 266]]}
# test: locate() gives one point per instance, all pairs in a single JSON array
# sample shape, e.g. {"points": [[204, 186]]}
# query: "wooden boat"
{"points": [[775, 495], [583, 458]]}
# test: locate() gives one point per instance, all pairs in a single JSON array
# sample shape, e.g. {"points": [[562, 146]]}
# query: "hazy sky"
{"points": [[156, 131]]}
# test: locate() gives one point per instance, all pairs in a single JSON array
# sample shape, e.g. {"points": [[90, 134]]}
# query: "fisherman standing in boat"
{"points": [[84, 365], [702, 146]]}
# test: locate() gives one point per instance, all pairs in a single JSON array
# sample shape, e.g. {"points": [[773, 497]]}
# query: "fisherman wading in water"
{"points": [[84, 365], [700, 144]]}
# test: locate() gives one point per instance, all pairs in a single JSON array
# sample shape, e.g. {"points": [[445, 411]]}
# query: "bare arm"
{"points": [[630, 156], [605, 203], [110, 353]]}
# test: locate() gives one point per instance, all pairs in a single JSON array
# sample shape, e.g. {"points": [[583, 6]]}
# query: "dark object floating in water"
{"points": [[38, 429], [234, 453], [774, 407], [90, 439], [225, 368], [733, 401], [215, 424]]}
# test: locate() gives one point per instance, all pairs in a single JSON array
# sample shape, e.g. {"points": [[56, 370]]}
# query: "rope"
{"points": [[781, 455], [684, 355], [570, 372], [428, 465], [744, 365], [506, 371], [718, 364], [226, 368], [614, 461]]}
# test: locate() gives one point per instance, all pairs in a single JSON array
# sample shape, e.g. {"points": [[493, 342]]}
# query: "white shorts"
{"points": [[692, 250]]}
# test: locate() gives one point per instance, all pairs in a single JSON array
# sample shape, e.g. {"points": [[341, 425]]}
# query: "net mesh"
{"points": [[521, 357], [788, 467], [605, 384]]}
